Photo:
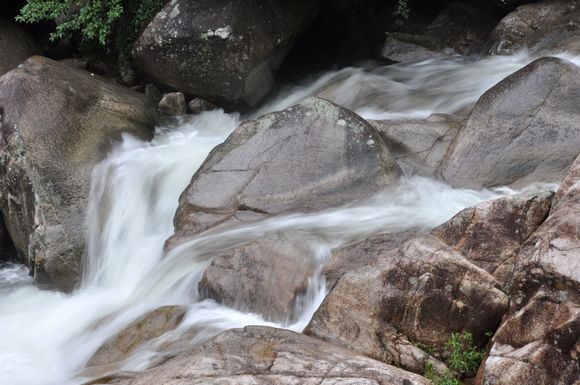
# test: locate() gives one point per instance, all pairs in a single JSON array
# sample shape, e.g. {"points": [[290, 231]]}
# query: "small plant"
{"points": [[437, 379], [402, 9], [463, 359]]}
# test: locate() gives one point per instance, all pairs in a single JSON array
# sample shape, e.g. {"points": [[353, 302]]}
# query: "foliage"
{"points": [[437, 379], [402, 9], [97, 21], [463, 358]]}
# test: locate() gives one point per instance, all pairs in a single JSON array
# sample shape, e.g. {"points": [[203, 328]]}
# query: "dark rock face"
{"points": [[16, 45], [524, 129], [491, 233], [460, 27], [538, 345], [378, 309], [313, 156], [57, 123], [224, 51], [544, 28], [262, 355], [7, 251]]}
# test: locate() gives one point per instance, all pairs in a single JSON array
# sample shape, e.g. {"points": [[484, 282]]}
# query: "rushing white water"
{"points": [[47, 338]]}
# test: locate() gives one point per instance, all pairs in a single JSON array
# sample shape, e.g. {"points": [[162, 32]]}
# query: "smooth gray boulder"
{"points": [[16, 45], [416, 295], [57, 123], [525, 129], [227, 52], [543, 28], [310, 157], [261, 355]]}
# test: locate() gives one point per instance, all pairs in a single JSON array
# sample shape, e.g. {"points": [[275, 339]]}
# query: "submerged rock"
{"points": [[313, 156], [491, 233], [264, 276], [57, 123], [525, 129], [225, 51], [137, 334], [417, 294], [263, 355], [543, 28]]}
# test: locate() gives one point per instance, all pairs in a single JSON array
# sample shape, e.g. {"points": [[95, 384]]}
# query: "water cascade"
{"points": [[48, 337]]}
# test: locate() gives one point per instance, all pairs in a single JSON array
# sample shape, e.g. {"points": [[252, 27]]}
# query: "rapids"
{"points": [[47, 337]]}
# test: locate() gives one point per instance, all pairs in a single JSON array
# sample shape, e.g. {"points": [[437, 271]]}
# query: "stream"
{"points": [[48, 337]]}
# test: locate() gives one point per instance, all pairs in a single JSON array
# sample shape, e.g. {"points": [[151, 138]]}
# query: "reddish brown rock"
{"points": [[538, 345], [421, 292], [491, 233]]}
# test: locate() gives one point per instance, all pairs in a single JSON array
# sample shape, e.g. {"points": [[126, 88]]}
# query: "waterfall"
{"points": [[47, 337]]}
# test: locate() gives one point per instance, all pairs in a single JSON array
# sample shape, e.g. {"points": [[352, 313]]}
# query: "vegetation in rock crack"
{"points": [[99, 22], [402, 9], [462, 358]]}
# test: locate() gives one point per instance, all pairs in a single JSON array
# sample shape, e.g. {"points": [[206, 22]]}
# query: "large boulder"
{"points": [[491, 233], [525, 129], [262, 355], [57, 123], [420, 293], [538, 345], [16, 45], [225, 51], [313, 156], [543, 28]]}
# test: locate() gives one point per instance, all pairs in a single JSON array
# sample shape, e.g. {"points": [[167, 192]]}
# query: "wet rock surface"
{"points": [[264, 276], [523, 130], [313, 156], [262, 355], [57, 123], [136, 335]]}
